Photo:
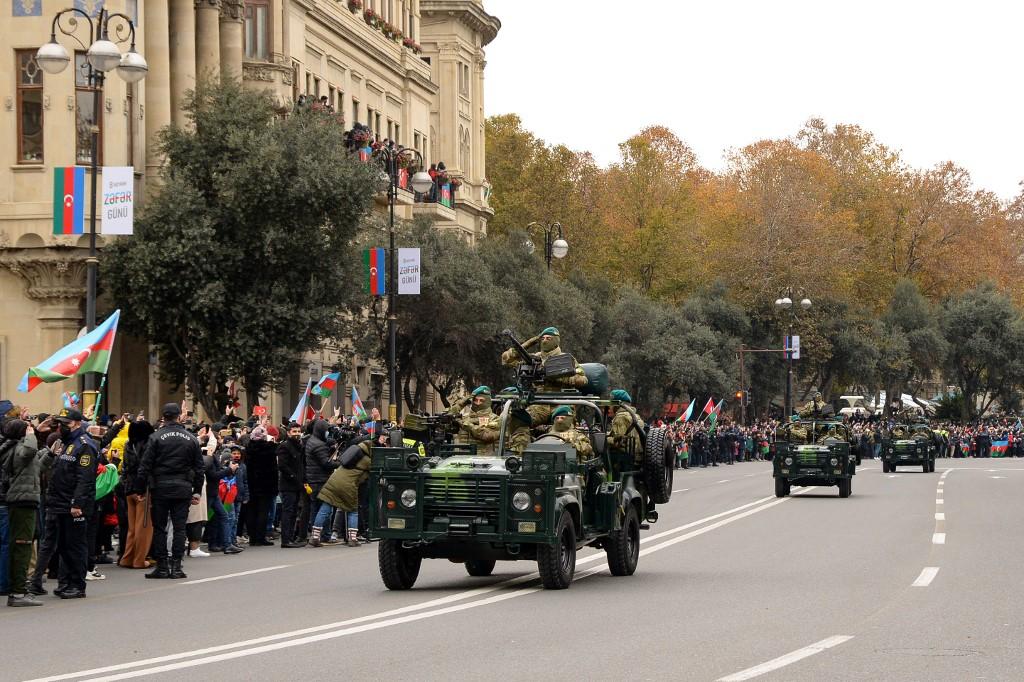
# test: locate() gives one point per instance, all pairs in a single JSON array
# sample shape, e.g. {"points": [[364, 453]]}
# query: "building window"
{"points": [[369, 118], [30, 107], [257, 29], [355, 111], [376, 128], [398, 133], [85, 114]]}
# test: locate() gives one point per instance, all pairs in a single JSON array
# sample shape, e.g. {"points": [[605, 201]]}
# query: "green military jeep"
{"points": [[909, 445], [813, 452], [541, 505]]}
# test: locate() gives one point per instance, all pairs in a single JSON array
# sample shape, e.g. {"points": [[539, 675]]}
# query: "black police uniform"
{"points": [[72, 485], [172, 470]]}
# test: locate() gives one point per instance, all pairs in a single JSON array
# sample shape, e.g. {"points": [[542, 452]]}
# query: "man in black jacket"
{"points": [[291, 466], [320, 463], [172, 471]]}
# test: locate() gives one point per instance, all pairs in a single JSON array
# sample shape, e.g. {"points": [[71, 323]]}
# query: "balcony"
{"points": [[276, 78]]}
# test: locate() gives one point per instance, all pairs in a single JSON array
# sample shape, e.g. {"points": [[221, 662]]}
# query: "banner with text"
{"points": [[408, 271], [118, 192]]}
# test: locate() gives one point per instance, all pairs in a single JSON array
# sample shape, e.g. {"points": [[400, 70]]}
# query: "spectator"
{"points": [[20, 461], [139, 535], [291, 467], [261, 474]]}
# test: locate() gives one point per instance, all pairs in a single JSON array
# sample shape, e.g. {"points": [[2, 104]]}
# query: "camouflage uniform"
{"points": [[621, 431], [567, 432], [814, 407], [541, 414], [479, 426]]}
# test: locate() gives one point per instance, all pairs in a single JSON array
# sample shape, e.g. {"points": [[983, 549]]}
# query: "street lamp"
{"points": [[421, 182], [554, 246], [102, 56], [784, 304]]}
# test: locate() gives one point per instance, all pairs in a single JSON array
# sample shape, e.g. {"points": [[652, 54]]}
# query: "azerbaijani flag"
{"points": [[303, 411], [999, 447], [91, 353], [375, 265], [685, 416], [357, 406], [71, 399], [713, 417], [69, 200], [446, 195], [327, 384], [365, 153]]}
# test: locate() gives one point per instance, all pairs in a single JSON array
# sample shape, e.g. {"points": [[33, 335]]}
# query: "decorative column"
{"points": [[183, 55], [158, 83], [231, 38], [208, 38]]}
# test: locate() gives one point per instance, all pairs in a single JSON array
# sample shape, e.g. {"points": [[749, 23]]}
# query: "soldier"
{"points": [[564, 428], [480, 425], [517, 430], [549, 346], [813, 408], [70, 499], [626, 426]]}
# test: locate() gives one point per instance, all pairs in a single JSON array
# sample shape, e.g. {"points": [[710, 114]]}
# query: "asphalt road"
{"points": [[914, 577]]}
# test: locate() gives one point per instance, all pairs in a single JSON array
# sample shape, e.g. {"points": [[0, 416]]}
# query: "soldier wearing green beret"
{"points": [[626, 426], [563, 426], [549, 346], [479, 425]]}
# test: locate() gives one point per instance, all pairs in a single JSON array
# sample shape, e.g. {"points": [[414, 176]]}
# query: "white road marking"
{"points": [[681, 490], [235, 575], [927, 576], [939, 500], [940, 516], [783, 661], [893, 476], [997, 476], [724, 481], [939, 539], [391, 617]]}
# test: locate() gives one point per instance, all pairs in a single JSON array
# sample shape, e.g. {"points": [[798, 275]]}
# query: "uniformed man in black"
{"points": [[172, 471], [70, 499]]}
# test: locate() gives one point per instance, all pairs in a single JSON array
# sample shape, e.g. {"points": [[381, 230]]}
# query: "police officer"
{"points": [[70, 499], [626, 427], [172, 470]]}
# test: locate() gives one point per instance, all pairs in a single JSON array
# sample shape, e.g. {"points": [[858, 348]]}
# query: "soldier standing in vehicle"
{"points": [[480, 425], [626, 426], [549, 346], [813, 408], [563, 427]]}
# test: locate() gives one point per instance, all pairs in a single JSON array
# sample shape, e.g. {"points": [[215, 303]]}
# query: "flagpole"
{"points": [[99, 399]]}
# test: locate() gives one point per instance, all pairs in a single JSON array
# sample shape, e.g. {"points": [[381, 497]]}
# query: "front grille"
{"points": [[812, 458], [456, 497]]}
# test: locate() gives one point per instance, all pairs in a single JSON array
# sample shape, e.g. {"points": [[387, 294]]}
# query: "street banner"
{"points": [[118, 199], [375, 271], [90, 353], [408, 271], [69, 200], [792, 344]]}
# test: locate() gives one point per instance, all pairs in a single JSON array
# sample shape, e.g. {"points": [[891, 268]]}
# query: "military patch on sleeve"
{"points": [[85, 460]]}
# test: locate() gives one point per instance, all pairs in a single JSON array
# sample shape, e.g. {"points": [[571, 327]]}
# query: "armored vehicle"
{"points": [[909, 445], [538, 501], [813, 452]]}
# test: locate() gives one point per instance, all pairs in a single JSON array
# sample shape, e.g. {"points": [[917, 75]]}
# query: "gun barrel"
{"points": [[519, 348]]}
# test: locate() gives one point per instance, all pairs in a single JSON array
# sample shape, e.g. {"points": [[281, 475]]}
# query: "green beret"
{"points": [[549, 331], [562, 411], [481, 390], [510, 389], [622, 395]]}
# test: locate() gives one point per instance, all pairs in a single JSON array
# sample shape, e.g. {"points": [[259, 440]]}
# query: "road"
{"points": [[914, 577]]}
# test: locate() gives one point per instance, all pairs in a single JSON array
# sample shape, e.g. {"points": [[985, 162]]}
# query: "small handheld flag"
{"points": [[357, 406], [375, 268], [303, 411], [71, 399], [69, 200], [327, 384], [689, 412], [91, 353]]}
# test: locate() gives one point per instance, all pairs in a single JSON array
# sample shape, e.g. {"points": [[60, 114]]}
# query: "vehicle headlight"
{"points": [[834, 461], [891, 451], [521, 501], [788, 461], [408, 498]]}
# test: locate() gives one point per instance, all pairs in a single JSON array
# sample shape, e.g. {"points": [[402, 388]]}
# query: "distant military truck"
{"points": [[813, 452], [909, 445]]}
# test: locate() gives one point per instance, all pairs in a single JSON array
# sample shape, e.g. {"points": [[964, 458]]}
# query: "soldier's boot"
{"points": [[314, 537], [162, 570], [176, 572]]}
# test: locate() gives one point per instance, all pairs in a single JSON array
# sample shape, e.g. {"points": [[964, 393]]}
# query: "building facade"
{"points": [[412, 70]]}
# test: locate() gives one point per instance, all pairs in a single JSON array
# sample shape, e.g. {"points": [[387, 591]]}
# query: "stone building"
{"points": [[413, 70]]}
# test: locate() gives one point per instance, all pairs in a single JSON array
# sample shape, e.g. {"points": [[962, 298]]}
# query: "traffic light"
{"points": [[739, 396]]}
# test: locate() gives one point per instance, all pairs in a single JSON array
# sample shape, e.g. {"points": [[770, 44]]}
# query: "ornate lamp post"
{"points": [[784, 304], [553, 246], [103, 55], [421, 182]]}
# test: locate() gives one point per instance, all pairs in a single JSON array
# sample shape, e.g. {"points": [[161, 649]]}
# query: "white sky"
{"points": [[937, 80]]}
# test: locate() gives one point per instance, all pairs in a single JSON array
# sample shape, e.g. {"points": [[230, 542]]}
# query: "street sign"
{"points": [[408, 271], [118, 199]]}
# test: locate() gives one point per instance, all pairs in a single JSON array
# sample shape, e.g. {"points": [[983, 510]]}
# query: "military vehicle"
{"points": [[541, 502], [813, 452], [909, 445]]}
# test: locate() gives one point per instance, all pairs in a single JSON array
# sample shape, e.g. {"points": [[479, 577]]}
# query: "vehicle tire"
{"points": [[399, 567], [557, 563], [924, 467], [931, 467], [781, 487], [885, 467], [480, 568], [658, 472], [845, 487], [623, 546]]}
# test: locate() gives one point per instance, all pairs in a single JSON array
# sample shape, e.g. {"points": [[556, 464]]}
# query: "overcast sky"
{"points": [[937, 80]]}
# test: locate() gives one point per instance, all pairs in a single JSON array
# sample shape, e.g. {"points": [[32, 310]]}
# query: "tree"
{"points": [[916, 346], [242, 257]]}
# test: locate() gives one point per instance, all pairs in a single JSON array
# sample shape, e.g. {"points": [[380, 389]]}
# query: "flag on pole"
{"points": [[327, 384], [357, 406], [375, 268], [709, 407], [69, 200], [303, 411], [685, 416], [71, 399], [91, 353], [713, 417]]}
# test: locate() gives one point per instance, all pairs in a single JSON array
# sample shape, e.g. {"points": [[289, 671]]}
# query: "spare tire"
{"points": [[658, 469]]}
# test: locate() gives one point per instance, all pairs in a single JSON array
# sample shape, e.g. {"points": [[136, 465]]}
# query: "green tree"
{"points": [[913, 346], [242, 257]]}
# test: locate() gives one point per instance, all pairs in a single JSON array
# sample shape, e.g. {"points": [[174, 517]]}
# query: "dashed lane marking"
{"points": [[927, 576], [938, 538], [788, 659], [940, 516]]}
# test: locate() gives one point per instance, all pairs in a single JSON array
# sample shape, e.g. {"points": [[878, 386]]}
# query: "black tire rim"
{"points": [[566, 545], [633, 540]]}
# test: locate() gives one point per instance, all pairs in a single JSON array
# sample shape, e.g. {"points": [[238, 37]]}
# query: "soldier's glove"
{"points": [[531, 341]]}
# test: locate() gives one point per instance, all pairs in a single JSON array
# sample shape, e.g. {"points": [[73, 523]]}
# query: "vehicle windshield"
{"points": [[816, 433]]}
